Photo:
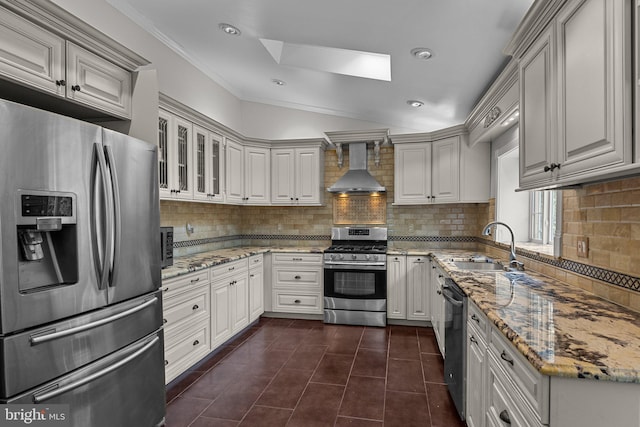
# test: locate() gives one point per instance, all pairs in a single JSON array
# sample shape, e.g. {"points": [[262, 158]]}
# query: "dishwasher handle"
{"points": [[448, 295]]}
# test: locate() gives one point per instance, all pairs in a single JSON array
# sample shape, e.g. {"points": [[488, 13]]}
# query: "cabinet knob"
{"points": [[196, 342], [166, 362], [440, 276], [439, 292], [195, 307], [61, 83], [506, 358], [252, 275], [164, 321], [165, 289], [297, 301], [297, 277], [75, 88], [292, 199], [195, 280], [474, 317], [473, 339], [297, 199], [504, 417]]}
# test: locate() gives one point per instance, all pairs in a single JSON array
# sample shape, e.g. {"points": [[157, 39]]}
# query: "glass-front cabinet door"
{"points": [[207, 151], [175, 157]]}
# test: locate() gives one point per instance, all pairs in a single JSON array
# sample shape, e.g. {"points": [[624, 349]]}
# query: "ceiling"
{"points": [[465, 36]]}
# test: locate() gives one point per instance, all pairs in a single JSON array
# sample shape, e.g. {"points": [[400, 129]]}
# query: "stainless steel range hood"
{"points": [[357, 179]]}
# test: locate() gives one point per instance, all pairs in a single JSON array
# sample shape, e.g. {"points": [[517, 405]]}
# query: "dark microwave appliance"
{"points": [[166, 246]]}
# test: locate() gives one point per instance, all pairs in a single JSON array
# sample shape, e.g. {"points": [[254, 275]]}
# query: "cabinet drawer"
{"points": [[185, 307], [290, 277], [229, 268], [297, 258], [185, 349], [183, 283], [478, 319], [297, 302], [533, 386], [501, 408], [256, 261]]}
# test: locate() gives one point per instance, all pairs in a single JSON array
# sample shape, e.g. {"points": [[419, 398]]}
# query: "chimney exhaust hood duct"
{"points": [[357, 179]]}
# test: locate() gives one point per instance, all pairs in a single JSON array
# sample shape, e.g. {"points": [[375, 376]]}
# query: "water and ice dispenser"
{"points": [[47, 239]]}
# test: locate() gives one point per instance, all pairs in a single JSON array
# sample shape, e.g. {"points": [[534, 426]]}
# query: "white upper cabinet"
{"points": [[234, 167], [442, 170], [575, 102], [207, 159], [96, 82], [257, 174], [30, 55], [248, 177], [297, 175], [175, 149], [37, 58]]}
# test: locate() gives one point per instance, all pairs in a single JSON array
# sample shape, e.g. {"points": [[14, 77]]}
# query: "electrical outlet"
{"points": [[583, 247]]}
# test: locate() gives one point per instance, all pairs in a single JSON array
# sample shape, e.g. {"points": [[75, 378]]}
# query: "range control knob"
{"points": [[354, 256], [367, 257], [374, 257], [341, 256], [332, 257]]}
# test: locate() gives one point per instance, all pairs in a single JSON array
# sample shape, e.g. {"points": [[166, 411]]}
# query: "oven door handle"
{"points": [[446, 293], [354, 265]]}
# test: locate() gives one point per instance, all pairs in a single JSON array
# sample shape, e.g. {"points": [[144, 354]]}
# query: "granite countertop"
{"points": [[191, 263], [562, 330]]}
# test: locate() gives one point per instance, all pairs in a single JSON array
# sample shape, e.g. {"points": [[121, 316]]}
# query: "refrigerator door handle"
{"points": [[116, 212], [38, 339], [38, 398], [107, 236]]}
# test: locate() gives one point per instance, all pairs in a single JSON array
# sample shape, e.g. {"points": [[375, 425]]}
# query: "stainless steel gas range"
{"points": [[355, 276]]}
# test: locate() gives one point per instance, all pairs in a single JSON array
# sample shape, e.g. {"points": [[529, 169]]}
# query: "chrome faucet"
{"points": [[512, 255]]}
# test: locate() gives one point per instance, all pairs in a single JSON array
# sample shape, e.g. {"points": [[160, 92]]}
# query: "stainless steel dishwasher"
{"points": [[454, 342]]}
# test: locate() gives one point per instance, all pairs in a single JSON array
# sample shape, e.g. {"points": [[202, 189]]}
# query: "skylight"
{"points": [[332, 60]]}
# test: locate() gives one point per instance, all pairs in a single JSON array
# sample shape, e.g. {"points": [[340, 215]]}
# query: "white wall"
{"points": [[182, 81]]}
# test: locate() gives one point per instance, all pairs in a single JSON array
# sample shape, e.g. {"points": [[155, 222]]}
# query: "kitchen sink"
{"points": [[484, 266]]}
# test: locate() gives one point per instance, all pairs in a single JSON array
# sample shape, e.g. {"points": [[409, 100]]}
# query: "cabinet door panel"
{"points": [[257, 175], [308, 175], [96, 82], [396, 287], [413, 173], [30, 55], [418, 280], [256, 293], [282, 176], [240, 301], [445, 170], [591, 94], [183, 174], [536, 110], [165, 155], [220, 316], [235, 172]]}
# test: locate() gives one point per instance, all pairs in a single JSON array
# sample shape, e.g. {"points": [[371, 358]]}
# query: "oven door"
{"points": [[355, 283]]}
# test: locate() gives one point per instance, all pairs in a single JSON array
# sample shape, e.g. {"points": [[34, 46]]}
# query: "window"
{"points": [[542, 216]]}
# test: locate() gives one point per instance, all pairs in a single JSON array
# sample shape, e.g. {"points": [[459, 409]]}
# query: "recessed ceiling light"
{"points": [[229, 29], [415, 103], [278, 82], [421, 53]]}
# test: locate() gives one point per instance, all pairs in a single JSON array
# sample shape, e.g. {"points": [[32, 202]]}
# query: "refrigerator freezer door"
{"points": [[125, 388], [33, 357], [44, 152], [134, 176]]}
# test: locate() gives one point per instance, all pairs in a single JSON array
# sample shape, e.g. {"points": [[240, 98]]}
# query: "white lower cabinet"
{"points": [[396, 287], [418, 288], [256, 287], [186, 319], [476, 367], [297, 280], [229, 300]]}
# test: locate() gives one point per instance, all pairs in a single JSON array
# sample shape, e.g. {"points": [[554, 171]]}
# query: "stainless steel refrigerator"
{"points": [[80, 310]]}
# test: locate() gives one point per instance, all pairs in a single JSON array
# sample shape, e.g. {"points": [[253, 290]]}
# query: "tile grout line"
{"points": [[353, 362], [424, 383], [307, 385], [274, 377]]}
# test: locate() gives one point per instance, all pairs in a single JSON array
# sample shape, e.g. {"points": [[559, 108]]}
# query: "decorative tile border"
{"points": [[209, 240]]}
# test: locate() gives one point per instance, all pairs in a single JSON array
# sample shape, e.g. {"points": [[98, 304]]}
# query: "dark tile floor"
{"points": [[305, 373]]}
